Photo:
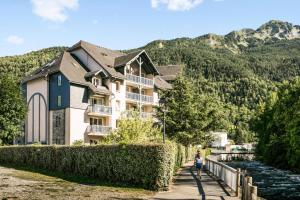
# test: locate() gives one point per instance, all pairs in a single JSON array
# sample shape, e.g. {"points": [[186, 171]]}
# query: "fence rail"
{"points": [[232, 178]]}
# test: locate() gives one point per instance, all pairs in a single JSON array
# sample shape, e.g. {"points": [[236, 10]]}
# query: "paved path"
{"points": [[187, 187]]}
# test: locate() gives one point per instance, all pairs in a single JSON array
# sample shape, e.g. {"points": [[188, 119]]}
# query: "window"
{"points": [[117, 86], [96, 82], [96, 121], [97, 101], [59, 80], [117, 105], [57, 121], [143, 75], [59, 100]]}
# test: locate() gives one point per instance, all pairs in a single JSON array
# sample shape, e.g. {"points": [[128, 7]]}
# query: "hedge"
{"points": [[147, 166]]}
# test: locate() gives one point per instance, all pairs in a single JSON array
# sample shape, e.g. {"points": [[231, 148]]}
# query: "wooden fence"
{"points": [[237, 181]]}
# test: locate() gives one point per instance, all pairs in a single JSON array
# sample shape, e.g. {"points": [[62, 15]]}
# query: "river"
{"points": [[272, 183]]}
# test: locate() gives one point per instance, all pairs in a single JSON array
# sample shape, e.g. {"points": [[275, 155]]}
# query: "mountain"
{"points": [[22, 65], [236, 41], [241, 68]]}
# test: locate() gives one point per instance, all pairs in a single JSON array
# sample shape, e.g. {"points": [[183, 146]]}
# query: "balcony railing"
{"points": [[131, 113], [138, 97], [139, 80], [99, 129], [100, 109]]}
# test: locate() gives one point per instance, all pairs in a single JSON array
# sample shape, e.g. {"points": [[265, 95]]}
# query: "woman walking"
{"points": [[198, 163]]}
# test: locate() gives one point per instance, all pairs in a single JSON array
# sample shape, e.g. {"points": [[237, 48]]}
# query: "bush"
{"points": [[147, 166]]}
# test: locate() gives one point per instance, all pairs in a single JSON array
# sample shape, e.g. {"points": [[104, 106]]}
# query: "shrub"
{"points": [[148, 166], [78, 142]]}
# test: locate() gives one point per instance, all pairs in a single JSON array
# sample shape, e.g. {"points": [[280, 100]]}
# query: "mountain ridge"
{"points": [[237, 41]]}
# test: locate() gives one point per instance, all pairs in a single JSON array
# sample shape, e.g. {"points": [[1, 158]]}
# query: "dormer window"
{"points": [[96, 82]]}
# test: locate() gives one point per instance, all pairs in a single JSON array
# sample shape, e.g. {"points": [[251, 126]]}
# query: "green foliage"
{"points": [[277, 124], [23, 65], [134, 130], [147, 166], [78, 142], [12, 110], [190, 116]]}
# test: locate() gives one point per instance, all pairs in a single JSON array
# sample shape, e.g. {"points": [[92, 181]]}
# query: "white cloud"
{"points": [[53, 10], [14, 39], [176, 5]]}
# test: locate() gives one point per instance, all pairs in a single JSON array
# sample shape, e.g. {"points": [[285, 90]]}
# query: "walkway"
{"points": [[187, 187]]}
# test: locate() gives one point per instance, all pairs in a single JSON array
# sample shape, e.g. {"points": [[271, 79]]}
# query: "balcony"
{"points": [[144, 115], [138, 97], [139, 80], [98, 130], [99, 109]]}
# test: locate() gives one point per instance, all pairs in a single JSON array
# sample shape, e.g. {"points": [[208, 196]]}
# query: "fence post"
{"points": [[249, 188], [253, 190], [238, 181]]}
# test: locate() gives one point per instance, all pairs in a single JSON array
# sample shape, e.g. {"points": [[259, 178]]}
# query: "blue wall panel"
{"points": [[55, 90]]}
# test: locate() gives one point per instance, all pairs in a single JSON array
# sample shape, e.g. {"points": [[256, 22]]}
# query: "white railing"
{"points": [[240, 183], [137, 97], [99, 129], [133, 96], [101, 109], [147, 98], [139, 80], [228, 175]]}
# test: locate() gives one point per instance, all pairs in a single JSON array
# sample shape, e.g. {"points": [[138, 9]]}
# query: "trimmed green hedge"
{"points": [[148, 166]]}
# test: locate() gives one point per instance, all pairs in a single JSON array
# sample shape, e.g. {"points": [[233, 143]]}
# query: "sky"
{"points": [[28, 25]]}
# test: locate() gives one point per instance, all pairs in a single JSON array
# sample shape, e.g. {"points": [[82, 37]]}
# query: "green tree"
{"points": [[134, 130], [12, 109], [277, 125], [190, 116]]}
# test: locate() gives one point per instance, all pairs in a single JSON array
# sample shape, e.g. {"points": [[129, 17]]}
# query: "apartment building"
{"points": [[83, 93]]}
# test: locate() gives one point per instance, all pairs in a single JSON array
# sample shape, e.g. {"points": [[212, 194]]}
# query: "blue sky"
{"points": [[27, 25]]}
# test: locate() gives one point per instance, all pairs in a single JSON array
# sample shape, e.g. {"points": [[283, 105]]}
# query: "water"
{"points": [[272, 183]]}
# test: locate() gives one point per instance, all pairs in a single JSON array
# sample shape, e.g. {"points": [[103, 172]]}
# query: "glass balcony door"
{"points": [[96, 121]]}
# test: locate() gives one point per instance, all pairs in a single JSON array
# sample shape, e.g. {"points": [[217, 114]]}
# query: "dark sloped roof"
{"points": [[70, 68], [104, 57], [123, 60], [161, 84], [170, 72]]}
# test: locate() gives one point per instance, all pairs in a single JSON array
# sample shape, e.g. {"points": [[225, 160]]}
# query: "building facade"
{"points": [[83, 93]]}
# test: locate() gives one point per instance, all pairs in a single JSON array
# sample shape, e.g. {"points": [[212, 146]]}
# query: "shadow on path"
{"points": [[208, 187]]}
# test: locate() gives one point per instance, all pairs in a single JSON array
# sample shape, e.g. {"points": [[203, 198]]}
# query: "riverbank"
{"points": [[272, 183]]}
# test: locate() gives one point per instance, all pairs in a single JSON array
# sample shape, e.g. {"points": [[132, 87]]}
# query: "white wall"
{"points": [[88, 61], [220, 139], [120, 96], [37, 105], [78, 124], [76, 96]]}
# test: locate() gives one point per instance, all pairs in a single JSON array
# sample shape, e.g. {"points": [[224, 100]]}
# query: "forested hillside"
{"points": [[240, 68], [22, 65]]}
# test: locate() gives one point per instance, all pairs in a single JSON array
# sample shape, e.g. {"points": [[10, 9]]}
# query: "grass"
{"points": [[44, 184]]}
